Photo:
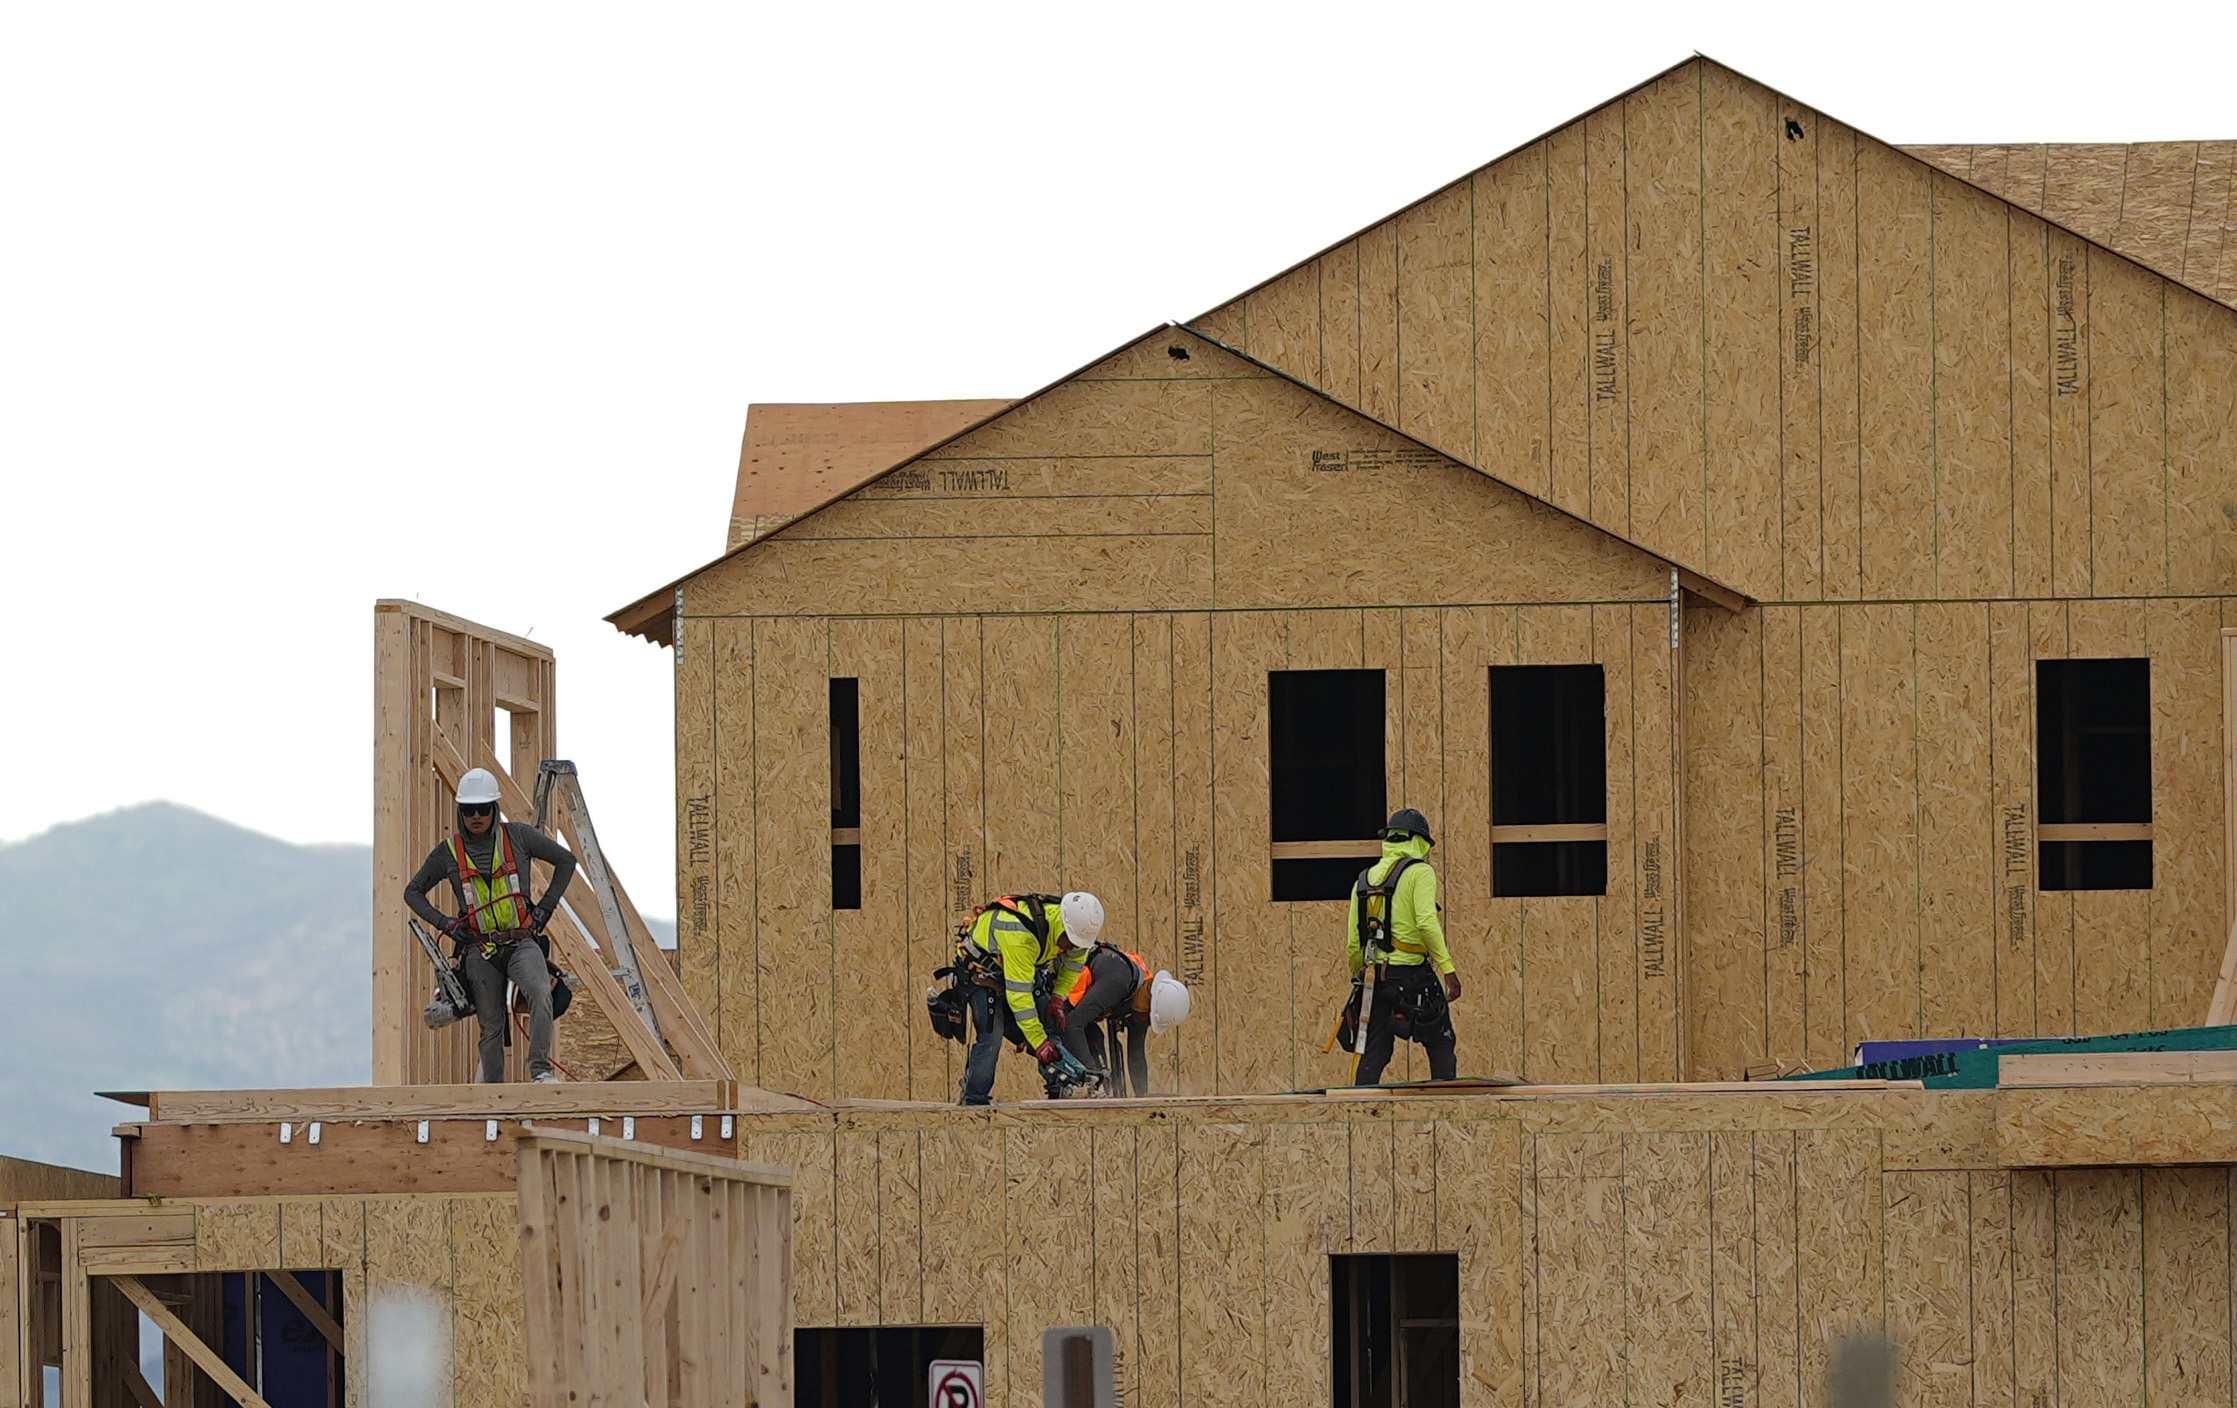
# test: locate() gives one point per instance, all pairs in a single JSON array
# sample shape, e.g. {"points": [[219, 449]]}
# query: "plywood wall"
{"points": [[1785, 355], [1049, 704], [1702, 1250], [1860, 829]]}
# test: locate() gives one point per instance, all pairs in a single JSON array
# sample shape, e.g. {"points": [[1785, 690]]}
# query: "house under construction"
{"points": [[1795, 575]]}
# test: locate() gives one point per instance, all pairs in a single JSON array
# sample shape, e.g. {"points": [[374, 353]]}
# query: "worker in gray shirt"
{"points": [[486, 864]]}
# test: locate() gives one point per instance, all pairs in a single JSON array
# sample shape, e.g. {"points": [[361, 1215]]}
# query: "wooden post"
{"points": [[395, 707]]}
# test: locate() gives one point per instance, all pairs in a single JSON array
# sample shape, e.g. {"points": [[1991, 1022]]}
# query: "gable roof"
{"points": [[1442, 317], [797, 456], [652, 616], [2170, 206]]}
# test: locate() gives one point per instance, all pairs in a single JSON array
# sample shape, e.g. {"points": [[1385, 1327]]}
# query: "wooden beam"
{"points": [[1577, 831], [1710, 591], [138, 1386], [2095, 831], [518, 644], [1324, 850], [177, 1333], [314, 1312], [77, 1323], [513, 1100]]}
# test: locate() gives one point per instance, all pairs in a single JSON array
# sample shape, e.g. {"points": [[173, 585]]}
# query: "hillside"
{"points": [[159, 947]]}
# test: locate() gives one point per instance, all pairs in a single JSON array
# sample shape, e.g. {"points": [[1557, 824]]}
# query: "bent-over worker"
{"points": [[1007, 948], [1395, 900], [1117, 988], [486, 863]]}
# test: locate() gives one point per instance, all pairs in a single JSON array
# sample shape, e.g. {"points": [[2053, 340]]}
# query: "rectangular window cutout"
{"points": [[846, 794], [889, 1366], [2093, 774], [1325, 735], [1396, 1330], [1549, 780]]}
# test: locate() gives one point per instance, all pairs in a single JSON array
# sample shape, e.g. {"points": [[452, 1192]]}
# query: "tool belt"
{"points": [[1418, 1010]]}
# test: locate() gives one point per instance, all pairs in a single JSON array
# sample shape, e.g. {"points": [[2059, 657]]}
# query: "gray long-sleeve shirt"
{"points": [[528, 844]]}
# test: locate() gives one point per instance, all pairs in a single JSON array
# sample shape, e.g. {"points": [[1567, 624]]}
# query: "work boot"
{"points": [[545, 1078]]}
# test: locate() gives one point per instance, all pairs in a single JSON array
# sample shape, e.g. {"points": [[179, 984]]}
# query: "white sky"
{"points": [[304, 305]]}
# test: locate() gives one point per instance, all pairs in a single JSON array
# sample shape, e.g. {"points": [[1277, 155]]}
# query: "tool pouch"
{"points": [[947, 1008]]}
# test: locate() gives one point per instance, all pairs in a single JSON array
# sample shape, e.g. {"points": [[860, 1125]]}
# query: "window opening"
{"points": [[1325, 737], [1396, 1330], [846, 794], [2093, 774], [885, 1367], [1549, 780], [273, 1343]]}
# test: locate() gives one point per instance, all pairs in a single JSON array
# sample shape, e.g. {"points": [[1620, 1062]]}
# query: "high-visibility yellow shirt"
{"points": [[1415, 926], [1023, 958]]}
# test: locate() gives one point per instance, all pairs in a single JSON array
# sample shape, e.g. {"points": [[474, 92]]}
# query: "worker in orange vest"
{"points": [[1117, 988]]}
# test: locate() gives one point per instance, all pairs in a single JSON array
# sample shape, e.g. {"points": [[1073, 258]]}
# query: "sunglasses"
{"points": [[477, 808]]}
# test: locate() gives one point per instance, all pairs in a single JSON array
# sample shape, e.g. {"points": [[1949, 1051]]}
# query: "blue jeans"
{"points": [[986, 1049]]}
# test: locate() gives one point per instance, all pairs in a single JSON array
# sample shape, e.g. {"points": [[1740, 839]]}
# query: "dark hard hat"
{"points": [[1410, 822]]}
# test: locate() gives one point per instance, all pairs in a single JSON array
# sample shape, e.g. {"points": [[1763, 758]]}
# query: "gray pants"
{"points": [[526, 969]]}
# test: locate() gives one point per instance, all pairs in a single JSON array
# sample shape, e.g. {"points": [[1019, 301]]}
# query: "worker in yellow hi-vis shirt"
{"points": [[1394, 930], [1006, 949]]}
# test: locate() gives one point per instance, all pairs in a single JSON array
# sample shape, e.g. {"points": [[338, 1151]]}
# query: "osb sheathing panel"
{"points": [[1601, 1260], [1152, 485], [1126, 754], [1123, 750], [1860, 833], [1804, 363], [2165, 205]]}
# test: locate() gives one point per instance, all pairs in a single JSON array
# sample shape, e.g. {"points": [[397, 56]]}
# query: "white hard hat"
{"points": [[478, 785], [1168, 1001], [1083, 919]]}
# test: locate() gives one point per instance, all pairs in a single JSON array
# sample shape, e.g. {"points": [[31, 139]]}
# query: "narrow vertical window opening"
{"points": [[1326, 779], [2093, 774], [1549, 780], [846, 794]]}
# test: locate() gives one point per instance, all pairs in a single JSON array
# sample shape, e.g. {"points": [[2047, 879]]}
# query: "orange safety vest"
{"points": [[1141, 1001], [496, 901]]}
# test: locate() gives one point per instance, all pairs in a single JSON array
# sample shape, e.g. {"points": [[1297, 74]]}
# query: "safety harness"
{"points": [[1371, 908], [948, 1007], [496, 901]]}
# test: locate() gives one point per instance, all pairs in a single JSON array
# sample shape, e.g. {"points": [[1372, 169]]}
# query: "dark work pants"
{"points": [[1416, 983], [1111, 984], [525, 967]]}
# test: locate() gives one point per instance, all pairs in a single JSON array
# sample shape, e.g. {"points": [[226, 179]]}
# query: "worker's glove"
{"points": [[538, 918], [1048, 1052], [1059, 1012]]}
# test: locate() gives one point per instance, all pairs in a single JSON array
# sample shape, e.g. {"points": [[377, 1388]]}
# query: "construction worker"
{"points": [[486, 863], [1394, 904], [1116, 987], [1011, 944]]}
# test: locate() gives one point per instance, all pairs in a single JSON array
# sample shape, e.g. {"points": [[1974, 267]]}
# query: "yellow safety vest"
{"points": [[495, 901]]}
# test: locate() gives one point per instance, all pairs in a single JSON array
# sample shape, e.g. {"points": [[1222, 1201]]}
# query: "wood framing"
{"points": [[685, 1301], [76, 1273], [421, 754], [437, 680]]}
